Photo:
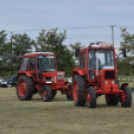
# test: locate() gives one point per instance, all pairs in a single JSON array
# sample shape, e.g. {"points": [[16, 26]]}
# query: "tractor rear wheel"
{"points": [[128, 99], [112, 99], [24, 88], [46, 94], [79, 90], [69, 92], [91, 97]]}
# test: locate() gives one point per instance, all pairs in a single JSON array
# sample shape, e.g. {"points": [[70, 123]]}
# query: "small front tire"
{"points": [[69, 92], [46, 94], [111, 99], [91, 97]]}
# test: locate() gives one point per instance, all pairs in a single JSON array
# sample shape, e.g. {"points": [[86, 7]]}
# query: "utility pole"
{"points": [[112, 34], [11, 56]]}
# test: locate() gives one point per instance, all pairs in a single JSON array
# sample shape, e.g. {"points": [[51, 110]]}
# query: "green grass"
{"points": [[61, 116]]}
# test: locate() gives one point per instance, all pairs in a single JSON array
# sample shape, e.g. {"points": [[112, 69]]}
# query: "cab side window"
{"points": [[24, 64], [84, 60], [32, 63]]}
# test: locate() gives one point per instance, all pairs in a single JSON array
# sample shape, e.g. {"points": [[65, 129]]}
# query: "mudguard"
{"points": [[77, 71], [123, 85]]}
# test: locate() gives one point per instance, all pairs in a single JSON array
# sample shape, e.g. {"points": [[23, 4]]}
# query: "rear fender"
{"points": [[123, 85], [80, 72], [24, 73]]}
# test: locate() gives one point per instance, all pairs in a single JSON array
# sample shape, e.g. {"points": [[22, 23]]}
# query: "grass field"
{"points": [[61, 116]]}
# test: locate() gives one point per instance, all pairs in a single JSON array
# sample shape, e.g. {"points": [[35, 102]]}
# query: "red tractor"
{"points": [[97, 75], [38, 74]]}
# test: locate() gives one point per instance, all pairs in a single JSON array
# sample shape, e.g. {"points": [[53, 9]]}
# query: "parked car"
{"points": [[9, 82]]}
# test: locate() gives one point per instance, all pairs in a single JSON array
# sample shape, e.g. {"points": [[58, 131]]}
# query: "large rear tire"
{"points": [[46, 94], [79, 90], [24, 88], [69, 92], [91, 97], [128, 99]]}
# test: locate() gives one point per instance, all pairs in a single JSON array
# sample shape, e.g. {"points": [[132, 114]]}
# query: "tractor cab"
{"points": [[97, 75], [41, 69]]}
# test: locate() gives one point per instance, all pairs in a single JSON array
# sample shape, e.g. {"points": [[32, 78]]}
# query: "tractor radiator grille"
{"points": [[60, 76], [109, 74], [60, 81]]}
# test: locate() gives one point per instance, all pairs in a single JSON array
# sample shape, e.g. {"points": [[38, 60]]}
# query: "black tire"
{"points": [[24, 92], [69, 92], [128, 94], [79, 99], [46, 94], [54, 92], [91, 97], [111, 99]]}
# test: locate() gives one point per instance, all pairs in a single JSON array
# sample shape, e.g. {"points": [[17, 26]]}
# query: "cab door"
{"points": [[33, 67]]}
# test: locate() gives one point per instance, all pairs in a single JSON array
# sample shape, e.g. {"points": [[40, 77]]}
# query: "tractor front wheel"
{"points": [[91, 97], [69, 92], [128, 99], [25, 88], [46, 94], [112, 99]]}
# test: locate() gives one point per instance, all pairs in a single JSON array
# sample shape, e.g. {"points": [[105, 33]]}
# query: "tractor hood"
{"points": [[53, 77]]}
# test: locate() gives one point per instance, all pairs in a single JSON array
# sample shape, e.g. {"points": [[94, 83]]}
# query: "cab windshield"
{"points": [[46, 63], [100, 59]]}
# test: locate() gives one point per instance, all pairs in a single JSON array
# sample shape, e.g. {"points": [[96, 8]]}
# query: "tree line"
{"points": [[19, 44]]}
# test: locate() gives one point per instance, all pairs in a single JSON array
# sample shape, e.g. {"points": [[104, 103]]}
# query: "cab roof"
{"points": [[36, 53]]}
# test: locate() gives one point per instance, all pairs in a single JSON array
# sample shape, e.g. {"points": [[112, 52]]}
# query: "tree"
{"points": [[3, 40], [53, 41], [10, 51], [73, 47], [21, 44], [125, 66]]}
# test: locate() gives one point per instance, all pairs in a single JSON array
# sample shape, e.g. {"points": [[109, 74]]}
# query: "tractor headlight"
{"points": [[106, 82], [112, 82]]}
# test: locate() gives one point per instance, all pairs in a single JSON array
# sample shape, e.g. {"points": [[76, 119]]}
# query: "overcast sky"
{"points": [[84, 20]]}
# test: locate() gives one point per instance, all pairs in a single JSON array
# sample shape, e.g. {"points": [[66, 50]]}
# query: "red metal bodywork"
{"points": [[56, 84], [99, 81]]}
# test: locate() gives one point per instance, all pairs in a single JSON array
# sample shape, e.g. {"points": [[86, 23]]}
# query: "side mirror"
{"points": [[124, 52], [77, 51]]}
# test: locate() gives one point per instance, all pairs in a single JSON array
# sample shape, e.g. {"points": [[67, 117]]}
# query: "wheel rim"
{"points": [[75, 90], [88, 99], [22, 88], [44, 95]]}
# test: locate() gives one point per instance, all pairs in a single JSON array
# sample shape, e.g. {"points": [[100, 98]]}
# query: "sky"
{"points": [[85, 21]]}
